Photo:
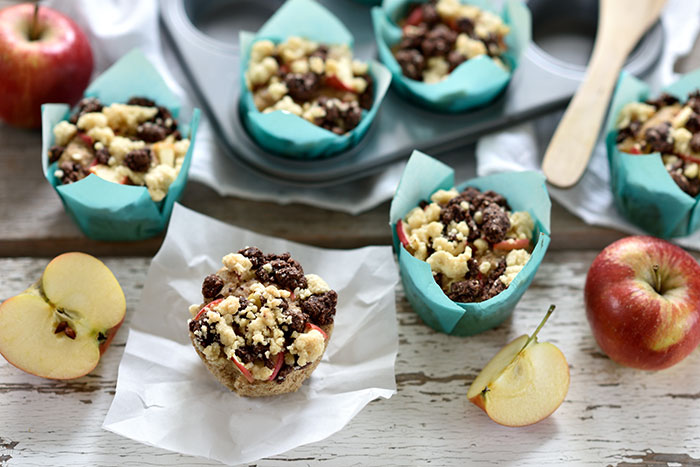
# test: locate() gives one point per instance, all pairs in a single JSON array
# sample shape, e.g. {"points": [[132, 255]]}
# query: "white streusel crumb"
{"points": [[92, 120], [63, 132], [316, 285]]}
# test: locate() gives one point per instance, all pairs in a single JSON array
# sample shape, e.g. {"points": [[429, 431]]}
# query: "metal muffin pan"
{"points": [[204, 36]]}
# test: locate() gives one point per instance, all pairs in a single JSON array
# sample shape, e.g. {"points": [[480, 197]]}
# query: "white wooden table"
{"points": [[611, 416]]}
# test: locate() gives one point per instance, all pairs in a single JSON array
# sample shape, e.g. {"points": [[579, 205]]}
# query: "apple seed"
{"points": [[70, 332], [66, 329]]}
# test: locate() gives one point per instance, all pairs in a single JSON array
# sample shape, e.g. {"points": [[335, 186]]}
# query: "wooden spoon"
{"points": [[620, 25]]}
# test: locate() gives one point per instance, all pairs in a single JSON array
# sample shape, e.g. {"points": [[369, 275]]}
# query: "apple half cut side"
{"points": [[525, 382], [60, 326]]}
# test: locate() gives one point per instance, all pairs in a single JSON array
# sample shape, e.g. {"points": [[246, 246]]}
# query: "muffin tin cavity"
{"points": [[205, 38], [563, 34]]}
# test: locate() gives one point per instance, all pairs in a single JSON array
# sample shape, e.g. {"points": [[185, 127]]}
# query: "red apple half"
{"points": [[43, 59], [60, 326], [642, 299]]}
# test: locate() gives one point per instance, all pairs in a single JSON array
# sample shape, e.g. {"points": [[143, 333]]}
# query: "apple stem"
{"points": [[33, 32], [544, 320], [657, 278]]}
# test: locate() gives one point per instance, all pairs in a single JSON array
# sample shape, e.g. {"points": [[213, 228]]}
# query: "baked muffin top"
{"points": [[137, 143], [475, 245], [440, 35], [320, 83], [262, 313], [667, 126]]}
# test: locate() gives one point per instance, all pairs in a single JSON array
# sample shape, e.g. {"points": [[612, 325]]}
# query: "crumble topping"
{"points": [[669, 127], [320, 83], [440, 35], [515, 261], [136, 143], [263, 313], [64, 132], [474, 244], [308, 347]]}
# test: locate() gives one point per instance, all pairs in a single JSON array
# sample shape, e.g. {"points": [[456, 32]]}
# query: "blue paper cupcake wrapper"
{"points": [[472, 84], [287, 134], [109, 211], [644, 192], [525, 191]]}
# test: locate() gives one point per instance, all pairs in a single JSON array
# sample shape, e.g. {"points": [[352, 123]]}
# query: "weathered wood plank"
{"points": [[611, 414]]}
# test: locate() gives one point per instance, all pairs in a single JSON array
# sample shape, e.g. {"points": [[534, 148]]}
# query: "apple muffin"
{"points": [[263, 325], [137, 143], [317, 82], [475, 245], [440, 35], [669, 127]]}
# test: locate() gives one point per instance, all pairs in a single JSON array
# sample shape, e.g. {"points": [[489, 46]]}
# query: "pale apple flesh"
{"points": [[519, 386], [84, 286], [59, 327], [38, 350], [525, 382]]}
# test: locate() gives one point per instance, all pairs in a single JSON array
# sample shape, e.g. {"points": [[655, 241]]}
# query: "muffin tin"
{"points": [[204, 35]]}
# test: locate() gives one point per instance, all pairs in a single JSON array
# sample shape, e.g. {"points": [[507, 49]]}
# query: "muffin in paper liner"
{"points": [[525, 191], [644, 192], [474, 83], [105, 210], [286, 134]]}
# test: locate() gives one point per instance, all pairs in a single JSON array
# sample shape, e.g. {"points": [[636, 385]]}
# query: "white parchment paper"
{"points": [[167, 398]]}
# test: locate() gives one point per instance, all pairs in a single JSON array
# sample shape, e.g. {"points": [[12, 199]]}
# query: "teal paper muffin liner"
{"points": [[525, 191], [287, 134], [109, 211], [644, 192], [472, 84]]}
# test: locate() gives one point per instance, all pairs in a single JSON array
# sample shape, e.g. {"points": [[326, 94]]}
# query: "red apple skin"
{"points": [[401, 232], [54, 68], [632, 323], [110, 336]]}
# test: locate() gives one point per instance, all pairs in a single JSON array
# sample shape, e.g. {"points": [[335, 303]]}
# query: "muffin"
{"points": [[450, 55], [475, 245], [440, 35], [137, 143], [303, 95], [467, 254], [320, 83], [263, 325], [667, 126]]}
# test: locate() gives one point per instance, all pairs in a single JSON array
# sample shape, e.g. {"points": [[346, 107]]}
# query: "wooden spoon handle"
{"points": [[573, 141]]}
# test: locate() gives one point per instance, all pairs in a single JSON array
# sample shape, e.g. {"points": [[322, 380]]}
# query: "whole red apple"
{"points": [[44, 57], [642, 299]]}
